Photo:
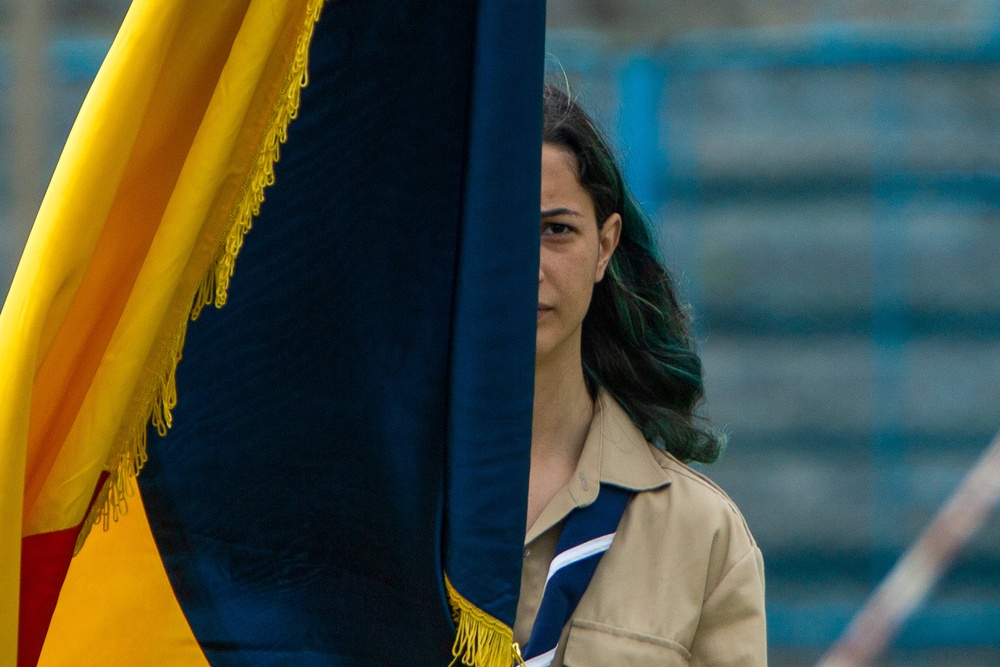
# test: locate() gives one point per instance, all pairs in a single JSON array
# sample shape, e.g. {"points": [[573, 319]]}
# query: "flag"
{"points": [[345, 463]]}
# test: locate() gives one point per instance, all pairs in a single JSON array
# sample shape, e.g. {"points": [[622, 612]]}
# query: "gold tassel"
{"points": [[482, 640], [128, 459], [214, 288]]}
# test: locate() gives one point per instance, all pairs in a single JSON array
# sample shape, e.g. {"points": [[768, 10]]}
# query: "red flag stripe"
{"points": [[44, 563]]}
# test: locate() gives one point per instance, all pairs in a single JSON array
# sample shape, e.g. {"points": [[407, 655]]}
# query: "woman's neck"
{"points": [[562, 412]]}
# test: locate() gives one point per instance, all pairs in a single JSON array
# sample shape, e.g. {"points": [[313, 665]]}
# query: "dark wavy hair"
{"points": [[637, 340]]}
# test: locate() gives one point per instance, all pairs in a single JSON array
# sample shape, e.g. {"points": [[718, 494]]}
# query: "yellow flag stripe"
{"points": [[158, 182]]}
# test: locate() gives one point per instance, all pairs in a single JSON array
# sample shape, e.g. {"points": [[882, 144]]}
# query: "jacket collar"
{"points": [[615, 452]]}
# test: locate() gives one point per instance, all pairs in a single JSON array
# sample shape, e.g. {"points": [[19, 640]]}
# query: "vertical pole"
{"points": [[889, 330], [681, 231], [641, 86], [29, 106]]}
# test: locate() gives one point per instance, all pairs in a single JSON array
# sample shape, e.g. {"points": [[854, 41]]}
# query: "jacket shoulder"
{"points": [[700, 496]]}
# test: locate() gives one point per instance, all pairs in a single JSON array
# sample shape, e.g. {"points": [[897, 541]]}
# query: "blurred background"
{"points": [[825, 178]]}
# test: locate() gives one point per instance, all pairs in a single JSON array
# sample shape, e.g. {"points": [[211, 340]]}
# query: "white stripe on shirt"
{"points": [[543, 660], [578, 553]]}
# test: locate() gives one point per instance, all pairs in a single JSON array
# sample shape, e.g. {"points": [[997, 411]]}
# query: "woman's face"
{"points": [[574, 256]]}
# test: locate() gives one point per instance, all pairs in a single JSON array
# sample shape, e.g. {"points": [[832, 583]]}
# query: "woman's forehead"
{"points": [[561, 186]]}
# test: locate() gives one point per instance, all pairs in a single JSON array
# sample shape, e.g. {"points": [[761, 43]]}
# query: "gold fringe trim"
{"points": [[127, 460], [482, 640]]}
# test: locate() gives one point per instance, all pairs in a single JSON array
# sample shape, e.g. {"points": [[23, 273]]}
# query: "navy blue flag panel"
{"points": [[357, 418]]}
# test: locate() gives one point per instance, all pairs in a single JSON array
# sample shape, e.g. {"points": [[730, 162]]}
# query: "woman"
{"points": [[617, 382]]}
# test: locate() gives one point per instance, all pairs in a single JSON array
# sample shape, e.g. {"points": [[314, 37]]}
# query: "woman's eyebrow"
{"points": [[552, 212]]}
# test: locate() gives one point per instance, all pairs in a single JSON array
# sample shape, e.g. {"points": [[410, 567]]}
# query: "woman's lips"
{"points": [[543, 310]]}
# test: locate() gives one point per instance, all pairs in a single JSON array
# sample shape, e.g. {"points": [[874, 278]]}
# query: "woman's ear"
{"points": [[608, 235]]}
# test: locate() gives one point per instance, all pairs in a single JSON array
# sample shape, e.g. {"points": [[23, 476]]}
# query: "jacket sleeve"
{"points": [[732, 629]]}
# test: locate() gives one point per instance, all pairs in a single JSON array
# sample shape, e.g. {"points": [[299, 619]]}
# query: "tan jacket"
{"points": [[683, 581]]}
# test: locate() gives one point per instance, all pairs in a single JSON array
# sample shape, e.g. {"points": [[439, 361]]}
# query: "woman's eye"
{"points": [[555, 229]]}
